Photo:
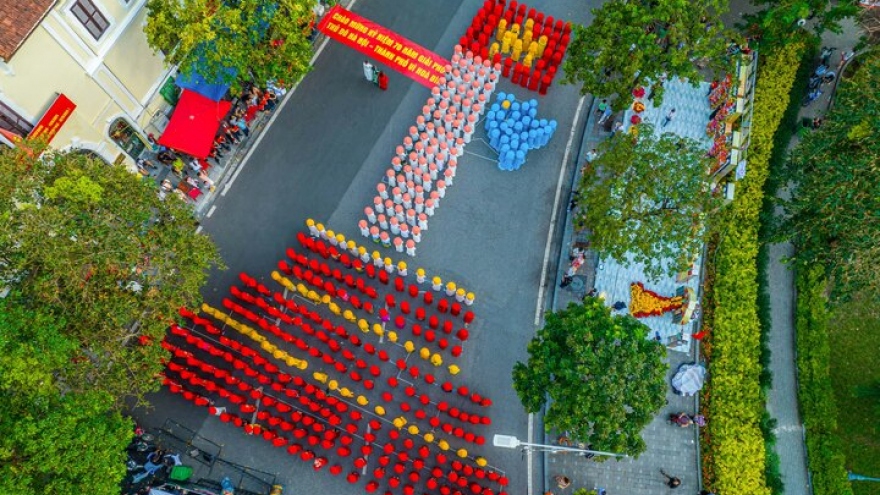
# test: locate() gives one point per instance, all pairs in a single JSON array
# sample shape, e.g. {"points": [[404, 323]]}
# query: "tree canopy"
{"points": [[646, 196], [777, 23], [604, 378], [233, 41], [94, 247], [52, 440], [635, 43], [834, 212]]}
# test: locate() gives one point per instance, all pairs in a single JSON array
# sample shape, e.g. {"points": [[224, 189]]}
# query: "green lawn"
{"points": [[854, 333]]}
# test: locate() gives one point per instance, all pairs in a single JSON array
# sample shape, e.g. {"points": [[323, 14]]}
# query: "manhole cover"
{"points": [[577, 284]]}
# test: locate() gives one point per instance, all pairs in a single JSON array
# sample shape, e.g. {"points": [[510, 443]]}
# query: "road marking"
{"points": [[211, 211], [529, 452], [199, 229], [272, 119], [542, 286]]}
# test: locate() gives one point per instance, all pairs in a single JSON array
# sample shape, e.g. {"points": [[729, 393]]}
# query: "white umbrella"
{"points": [[689, 379]]}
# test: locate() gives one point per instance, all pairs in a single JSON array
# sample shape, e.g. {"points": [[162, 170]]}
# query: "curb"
{"points": [[564, 237]]}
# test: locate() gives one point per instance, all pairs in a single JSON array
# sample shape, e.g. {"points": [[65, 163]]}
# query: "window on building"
{"points": [[127, 138], [13, 122], [91, 18]]}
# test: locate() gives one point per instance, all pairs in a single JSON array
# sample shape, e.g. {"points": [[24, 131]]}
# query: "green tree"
{"points": [[635, 43], [834, 212], [786, 21], [95, 247], [646, 196], [604, 379], [234, 41], [52, 440]]}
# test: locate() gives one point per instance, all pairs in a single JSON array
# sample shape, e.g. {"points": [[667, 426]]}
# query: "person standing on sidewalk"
{"points": [[588, 160], [668, 118], [671, 481], [606, 114]]}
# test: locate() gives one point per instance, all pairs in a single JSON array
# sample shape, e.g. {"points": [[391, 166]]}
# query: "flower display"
{"points": [[639, 92], [644, 302], [638, 107], [635, 120]]}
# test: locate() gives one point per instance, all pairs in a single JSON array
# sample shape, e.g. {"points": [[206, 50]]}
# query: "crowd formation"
{"points": [[188, 176]]}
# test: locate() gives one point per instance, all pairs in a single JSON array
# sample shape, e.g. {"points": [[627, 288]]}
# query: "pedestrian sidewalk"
{"points": [[782, 398], [670, 448]]}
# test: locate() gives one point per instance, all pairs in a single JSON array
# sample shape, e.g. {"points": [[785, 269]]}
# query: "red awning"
{"points": [[194, 124]]}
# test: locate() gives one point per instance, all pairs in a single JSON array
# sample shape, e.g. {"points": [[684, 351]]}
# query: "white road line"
{"points": [[211, 211], [199, 229], [542, 286], [272, 119], [531, 434]]}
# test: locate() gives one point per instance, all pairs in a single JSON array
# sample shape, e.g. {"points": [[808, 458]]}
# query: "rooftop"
{"points": [[18, 18]]}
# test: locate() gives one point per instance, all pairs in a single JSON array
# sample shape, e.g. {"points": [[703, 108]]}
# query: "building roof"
{"points": [[18, 18]]}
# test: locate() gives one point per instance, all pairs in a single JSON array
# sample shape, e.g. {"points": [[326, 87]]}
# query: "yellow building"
{"points": [[94, 53]]}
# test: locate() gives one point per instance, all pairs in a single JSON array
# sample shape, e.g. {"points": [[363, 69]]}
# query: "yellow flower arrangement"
{"points": [[644, 302]]}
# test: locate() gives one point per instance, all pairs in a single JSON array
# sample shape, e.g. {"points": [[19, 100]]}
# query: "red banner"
{"points": [[386, 46], [53, 119]]}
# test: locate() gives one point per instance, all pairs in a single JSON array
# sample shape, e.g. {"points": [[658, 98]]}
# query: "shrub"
{"points": [[815, 394], [737, 404]]}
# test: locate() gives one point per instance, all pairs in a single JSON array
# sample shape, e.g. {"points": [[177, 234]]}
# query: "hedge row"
{"points": [[737, 402], [816, 397]]}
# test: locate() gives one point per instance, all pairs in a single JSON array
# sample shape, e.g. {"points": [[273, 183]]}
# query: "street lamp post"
{"points": [[511, 442]]}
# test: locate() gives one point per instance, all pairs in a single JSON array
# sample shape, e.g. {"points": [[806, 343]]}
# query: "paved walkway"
{"points": [[782, 398], [670, 448]]}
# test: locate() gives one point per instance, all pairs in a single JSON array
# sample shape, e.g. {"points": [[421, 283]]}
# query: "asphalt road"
{"points": [[322, 158]]}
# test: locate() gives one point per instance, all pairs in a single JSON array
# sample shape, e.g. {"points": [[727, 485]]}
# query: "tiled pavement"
{"points": [[670, 448]]}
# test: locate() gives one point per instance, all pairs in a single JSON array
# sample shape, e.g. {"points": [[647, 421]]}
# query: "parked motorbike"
{"points": [[812, 96], [825, 56]]}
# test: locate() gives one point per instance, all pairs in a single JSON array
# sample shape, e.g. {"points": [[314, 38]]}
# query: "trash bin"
{"points": [[180, 473]]}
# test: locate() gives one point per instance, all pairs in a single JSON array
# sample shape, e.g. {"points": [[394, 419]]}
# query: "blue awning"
{"points": [[195, 82]]}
